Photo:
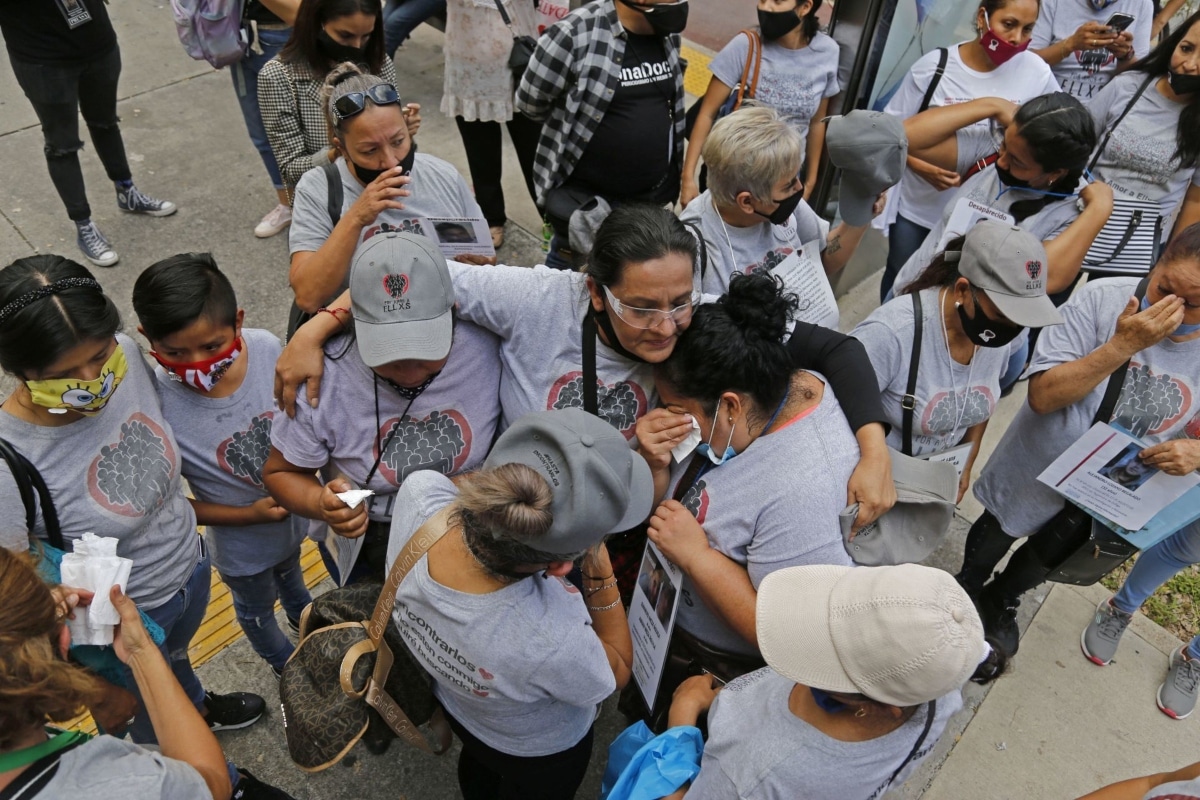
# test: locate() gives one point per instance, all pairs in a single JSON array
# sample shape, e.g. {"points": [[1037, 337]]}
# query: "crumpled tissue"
{"points": [[353, 497], [94, 565]]}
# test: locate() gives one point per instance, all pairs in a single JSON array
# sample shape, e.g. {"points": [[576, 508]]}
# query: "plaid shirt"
{"points": [[571, 79], [289, 98]]}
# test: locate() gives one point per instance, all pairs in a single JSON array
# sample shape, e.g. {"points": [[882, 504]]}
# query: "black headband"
{"points": [[43, 292]]}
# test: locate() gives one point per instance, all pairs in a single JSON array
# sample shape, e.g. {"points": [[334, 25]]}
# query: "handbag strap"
{"points": [[916, 748], [417, 545], [749, 83], [756, 48], [1108, 133], [943, 58], [504, 16], [591, 401], [1116, 381], [703, 246], [908, 402], [333, 195], [30, 483]]}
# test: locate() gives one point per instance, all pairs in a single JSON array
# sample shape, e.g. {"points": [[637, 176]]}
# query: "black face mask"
{"points": [[1183, 84], [368, 175], [787, 206], [411, 392], [1010, 180], [336, 51], [777, 24], [984, 331], [664, 18]]}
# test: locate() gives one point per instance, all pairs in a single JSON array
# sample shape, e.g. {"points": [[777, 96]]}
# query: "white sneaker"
{"points": [[276, 220]]}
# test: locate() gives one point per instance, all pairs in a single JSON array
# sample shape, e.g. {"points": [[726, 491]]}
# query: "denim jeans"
{"points": [[245, 83], [904, 239], [180, 618], [401, 18], [254, 599], [1158, 565], [59, 93]]}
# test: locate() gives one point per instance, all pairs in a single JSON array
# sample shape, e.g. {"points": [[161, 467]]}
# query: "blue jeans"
{"points": [[245, 83], [1158, 565], [904, 239], [254, 599], [180, 618], [556, 258], [401, 18]]}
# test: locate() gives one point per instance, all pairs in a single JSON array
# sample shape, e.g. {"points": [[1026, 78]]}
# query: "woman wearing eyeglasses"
{"points": [[386, 186]]}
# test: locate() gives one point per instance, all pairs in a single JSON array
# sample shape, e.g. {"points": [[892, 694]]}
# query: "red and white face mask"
{"points": [[202, 375], [998, 50]]}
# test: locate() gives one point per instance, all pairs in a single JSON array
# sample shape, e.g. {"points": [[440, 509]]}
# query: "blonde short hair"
{"points": [[751, 150]]}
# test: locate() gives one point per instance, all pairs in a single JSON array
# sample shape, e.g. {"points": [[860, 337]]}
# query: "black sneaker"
{"points": [[293, 626], [228, 712], [999, 617], [251, 788]]}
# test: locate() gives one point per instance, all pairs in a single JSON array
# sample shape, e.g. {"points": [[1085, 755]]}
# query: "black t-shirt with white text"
{"points": [[37, 31]]}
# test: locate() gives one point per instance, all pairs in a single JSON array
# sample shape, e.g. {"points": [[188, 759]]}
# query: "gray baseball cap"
{"points": [[1009, 265], [402, 297], [870, 148], [600, 485]]}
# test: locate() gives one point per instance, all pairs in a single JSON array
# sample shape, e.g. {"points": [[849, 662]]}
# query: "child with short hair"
{"points": [[216, 381]]}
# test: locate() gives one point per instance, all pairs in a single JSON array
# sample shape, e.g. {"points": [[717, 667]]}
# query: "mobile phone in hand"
{"points": [[1119, 22]]}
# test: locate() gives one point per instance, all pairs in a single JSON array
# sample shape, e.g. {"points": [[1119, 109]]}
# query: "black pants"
{"points": [[58, 94], [482, 141], [487, 774]]}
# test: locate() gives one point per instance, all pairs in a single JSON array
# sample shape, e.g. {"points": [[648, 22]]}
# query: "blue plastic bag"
{"points": [[642, 766]]}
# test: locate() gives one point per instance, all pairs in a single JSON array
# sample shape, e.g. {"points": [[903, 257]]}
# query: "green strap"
{"points": [[23, 758]]}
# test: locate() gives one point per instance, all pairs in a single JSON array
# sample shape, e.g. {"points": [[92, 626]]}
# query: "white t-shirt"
{"points": [[775, 505], [521, 667], [1158, 402], [757, 749], [950, 397], [794, 82], [767, 247], [1085, 72], [1018, 80]]}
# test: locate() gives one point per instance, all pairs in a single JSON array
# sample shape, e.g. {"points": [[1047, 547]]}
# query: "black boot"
{"points": [[986, 545], [999, 600]]}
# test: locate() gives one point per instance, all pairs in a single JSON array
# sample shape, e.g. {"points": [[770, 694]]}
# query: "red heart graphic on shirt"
{"points": [[620, 404], [243, 454], [483, 673], [440, 441], [132, 476], [696, 500], [479, 693]]}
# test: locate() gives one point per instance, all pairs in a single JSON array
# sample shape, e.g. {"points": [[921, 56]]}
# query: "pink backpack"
{"points": [[211, 30]]}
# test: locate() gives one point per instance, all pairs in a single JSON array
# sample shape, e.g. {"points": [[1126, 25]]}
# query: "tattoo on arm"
{"points": [[833, 245]]}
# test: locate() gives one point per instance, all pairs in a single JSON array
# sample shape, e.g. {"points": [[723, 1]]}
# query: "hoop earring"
{"points": [[860, 712]]}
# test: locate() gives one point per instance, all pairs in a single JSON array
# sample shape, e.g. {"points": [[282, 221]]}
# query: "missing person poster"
{"points": [[456, 237], [652, 618]]}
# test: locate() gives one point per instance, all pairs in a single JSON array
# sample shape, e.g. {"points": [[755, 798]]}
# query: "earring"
{"points": [[861, 712]]}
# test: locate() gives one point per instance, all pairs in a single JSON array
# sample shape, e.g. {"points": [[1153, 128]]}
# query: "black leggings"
{"points": [[483, 142], [59, 93], [485, 773]]}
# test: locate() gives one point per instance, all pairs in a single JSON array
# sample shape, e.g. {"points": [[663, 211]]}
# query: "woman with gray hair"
{"points": [[386, 185], [754, 218]]}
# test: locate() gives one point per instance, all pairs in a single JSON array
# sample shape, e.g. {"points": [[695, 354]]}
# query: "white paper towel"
{"points": [[94, 565]]}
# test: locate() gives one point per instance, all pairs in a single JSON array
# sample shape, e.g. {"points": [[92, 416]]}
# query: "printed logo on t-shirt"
{"points": [[1092, 61], [441, 657], [243, 454], [132, 476], [411, 225], [1147, 158], [440, 441], [621, 405], [647, 72], [1151, 403], [942, 410], [695, 500], [797, 100]]}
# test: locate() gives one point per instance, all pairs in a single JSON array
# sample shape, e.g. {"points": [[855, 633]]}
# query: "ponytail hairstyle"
{"points": [[35, 684], [1062, 135], [499, 510], [810, 26], [736, 344], [941, 270], [1158, 62], [302, 47], [634, 233]]}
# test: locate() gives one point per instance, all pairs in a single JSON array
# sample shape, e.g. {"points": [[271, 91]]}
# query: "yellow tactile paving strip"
{"points": [[695, 80]]}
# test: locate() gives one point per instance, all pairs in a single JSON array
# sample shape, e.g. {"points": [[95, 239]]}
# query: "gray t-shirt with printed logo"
{"points": [[1084, 72], [538, 315], [759, 750], [116, 474], [761, 248], [224, 442], [950, 397], [792, 81], [448, 428], [521, 667], [1157, 403], [775, 505]]}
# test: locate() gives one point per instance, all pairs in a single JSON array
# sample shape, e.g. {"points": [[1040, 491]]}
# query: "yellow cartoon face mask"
{"points": [[61, 395]]}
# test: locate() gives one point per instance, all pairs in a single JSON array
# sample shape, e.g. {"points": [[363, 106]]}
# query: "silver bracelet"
{"points": [[608, 607], [591, 590]]}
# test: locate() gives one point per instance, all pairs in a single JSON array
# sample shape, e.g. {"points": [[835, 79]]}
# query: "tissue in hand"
{"points": [[94, 565], [689, 443]]}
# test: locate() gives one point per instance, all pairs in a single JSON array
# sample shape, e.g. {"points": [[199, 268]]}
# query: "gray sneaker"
{"points": [[133, 201], [1177, 695], [1101, 637], [93, 244]]}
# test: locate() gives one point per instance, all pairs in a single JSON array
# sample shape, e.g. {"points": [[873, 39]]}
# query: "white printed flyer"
{"points": [[652, 618]]}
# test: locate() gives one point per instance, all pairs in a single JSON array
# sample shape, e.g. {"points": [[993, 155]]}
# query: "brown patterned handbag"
{"points": [[351, 659]]}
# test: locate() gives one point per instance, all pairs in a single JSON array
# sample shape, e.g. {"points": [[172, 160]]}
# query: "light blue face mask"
{"points": [[1182, 330], [705, 448]]}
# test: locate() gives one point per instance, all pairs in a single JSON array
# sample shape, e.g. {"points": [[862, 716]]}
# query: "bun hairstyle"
{"points": [[810, 26], [37, 335], [1062, 135], [940, 271], [343, 79], [500, 509], [634, 233], [35, 684], [736, 344]]}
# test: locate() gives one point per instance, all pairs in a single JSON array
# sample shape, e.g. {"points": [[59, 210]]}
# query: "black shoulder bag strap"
{"points": [[34, 494], [909, 402], [591, 402], [920, 741], [333, 198], [943, 58], [1116, 381], [1108, 133], [701, 246]]}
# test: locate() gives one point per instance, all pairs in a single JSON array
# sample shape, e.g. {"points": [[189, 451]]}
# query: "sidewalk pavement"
{"points": [[1055, 727]]}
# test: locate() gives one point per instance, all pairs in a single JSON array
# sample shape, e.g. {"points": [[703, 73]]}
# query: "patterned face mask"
{"points": [[202, 375], [61, 395]]}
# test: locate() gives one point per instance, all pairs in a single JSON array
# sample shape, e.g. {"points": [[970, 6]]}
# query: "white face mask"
{"points": [[684, 449]]}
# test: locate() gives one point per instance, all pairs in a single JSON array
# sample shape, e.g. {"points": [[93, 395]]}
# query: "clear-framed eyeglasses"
{"points": [[646, 318]]}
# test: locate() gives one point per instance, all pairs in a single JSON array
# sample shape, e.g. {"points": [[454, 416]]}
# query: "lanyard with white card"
{"points": [[74, 12], [957, 456]]}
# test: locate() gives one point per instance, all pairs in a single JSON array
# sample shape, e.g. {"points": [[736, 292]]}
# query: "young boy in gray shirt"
{"points": [[215, 381]]}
